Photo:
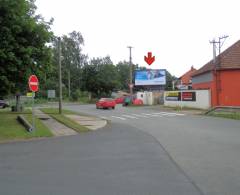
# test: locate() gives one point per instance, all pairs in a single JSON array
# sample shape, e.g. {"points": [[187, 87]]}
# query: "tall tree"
{"points": [[23, 49], [123, 71], [100, 77], [73, 60]]}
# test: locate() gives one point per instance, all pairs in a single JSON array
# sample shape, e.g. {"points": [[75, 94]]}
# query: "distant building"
{"points": [[222, 77], [185, 81]]}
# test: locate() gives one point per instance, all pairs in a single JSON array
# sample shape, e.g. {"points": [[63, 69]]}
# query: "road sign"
{"points": [[30, 94], [33, 83], [51, 93]]}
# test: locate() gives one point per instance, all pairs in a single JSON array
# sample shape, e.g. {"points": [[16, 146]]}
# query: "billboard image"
{"points": [[173, 96], [188, 96], [150, 77]]}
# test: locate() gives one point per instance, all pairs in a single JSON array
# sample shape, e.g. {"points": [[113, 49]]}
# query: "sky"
{"points": [[177, 32]]}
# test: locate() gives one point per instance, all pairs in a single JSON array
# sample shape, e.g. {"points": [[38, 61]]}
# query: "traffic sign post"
{"points": [[33, 86]]}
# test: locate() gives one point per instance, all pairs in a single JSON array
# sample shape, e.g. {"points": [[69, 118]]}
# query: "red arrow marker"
{"points": [[150, 59]]}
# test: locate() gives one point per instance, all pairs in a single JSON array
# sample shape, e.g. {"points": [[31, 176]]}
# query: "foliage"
{"points": [[23, 49], [123, 73], [230, 115], [169, 80], [72, 60], [100, 77]]}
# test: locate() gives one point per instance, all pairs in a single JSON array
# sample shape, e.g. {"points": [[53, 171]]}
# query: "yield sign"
{"points": [[33, 83]]}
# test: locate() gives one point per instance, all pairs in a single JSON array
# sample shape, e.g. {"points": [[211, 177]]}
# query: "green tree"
{"points": [[169, 79], [23, 49], [100, 77], [73, 60], [123, 72]]}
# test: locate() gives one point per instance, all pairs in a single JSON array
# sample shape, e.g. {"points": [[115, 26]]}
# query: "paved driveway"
{"points": [[206, 148]]}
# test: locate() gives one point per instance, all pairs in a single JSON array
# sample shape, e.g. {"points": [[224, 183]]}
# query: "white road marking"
{"points": [[138, 115], [128, 116], [118, 117], [33, 83], [148, 114], [170, 113]]}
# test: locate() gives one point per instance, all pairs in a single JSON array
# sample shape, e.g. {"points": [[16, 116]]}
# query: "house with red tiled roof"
{"points": [[185, 81], [222, 77]]}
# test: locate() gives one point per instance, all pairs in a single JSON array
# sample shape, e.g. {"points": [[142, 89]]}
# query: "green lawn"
{"points": [[11, 129], [231, 115], [53, 112]]}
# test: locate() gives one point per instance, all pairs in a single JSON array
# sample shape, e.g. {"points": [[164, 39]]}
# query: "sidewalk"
{"points": [[57, 128], [89, 122]]}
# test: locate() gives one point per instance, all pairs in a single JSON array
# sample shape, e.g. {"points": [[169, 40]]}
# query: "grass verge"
{"points": [[53, 112], [11, 129], [230, 115]]}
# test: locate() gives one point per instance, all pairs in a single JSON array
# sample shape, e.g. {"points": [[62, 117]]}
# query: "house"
{"points": [[185, 81], [222, 77]]}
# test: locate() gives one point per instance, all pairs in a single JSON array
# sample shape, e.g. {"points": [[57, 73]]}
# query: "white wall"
{"points": [[146, 97], [203, 100]]}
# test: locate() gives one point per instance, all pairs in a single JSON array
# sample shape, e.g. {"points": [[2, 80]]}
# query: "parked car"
{"points": [[3, 104], [119, 100], [137, 102], [106, 103]]}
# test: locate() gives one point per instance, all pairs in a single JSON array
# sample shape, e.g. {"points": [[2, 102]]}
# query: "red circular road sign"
{"points": [[33, 83]]}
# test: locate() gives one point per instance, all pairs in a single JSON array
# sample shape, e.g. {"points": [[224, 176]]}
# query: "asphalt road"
{"points": [[205, 148], [142, 151], [113, 160]]}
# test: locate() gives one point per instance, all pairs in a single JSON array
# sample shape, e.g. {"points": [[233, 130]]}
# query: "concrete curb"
{"points": [[91, 123]]}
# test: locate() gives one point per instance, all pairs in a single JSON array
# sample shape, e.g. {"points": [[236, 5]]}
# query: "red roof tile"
{"points": [[229, 59], [186, 77]]}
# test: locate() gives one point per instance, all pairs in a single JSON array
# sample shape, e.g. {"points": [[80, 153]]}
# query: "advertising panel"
{"points": [[173, 96], [188, 96], [150, 77]]}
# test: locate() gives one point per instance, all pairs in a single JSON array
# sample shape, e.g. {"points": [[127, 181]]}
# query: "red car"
{"points": [[106, 103], [119, 100]]}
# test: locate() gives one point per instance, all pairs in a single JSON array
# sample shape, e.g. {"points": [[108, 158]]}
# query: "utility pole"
{"points": [[130, 72], [60, 74], [213, 42], [221, 43], [218, 64], [69, 84]]}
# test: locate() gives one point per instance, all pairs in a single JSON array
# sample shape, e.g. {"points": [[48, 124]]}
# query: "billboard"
{"points": [[173, 96], [150, 77], [189, 96]]}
